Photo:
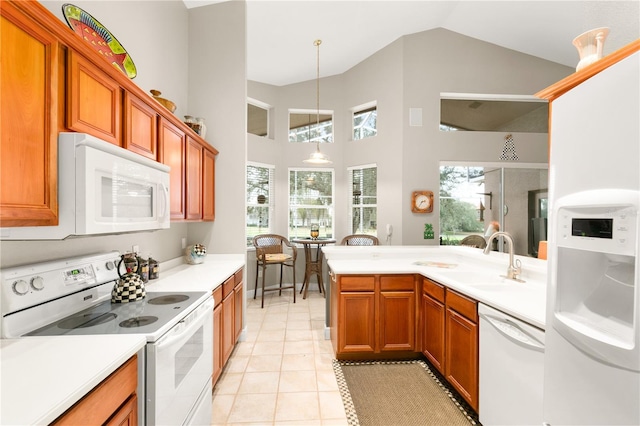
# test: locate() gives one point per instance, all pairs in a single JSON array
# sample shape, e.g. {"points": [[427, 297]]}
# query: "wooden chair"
{"points": [[476, 241], [360, 240], [273, 249]]}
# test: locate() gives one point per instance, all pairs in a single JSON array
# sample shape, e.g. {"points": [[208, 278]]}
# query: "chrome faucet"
{"points": [[514, 269]]}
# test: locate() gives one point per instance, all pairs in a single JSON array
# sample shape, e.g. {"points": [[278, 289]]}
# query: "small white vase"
{"points": [[590, 45]]}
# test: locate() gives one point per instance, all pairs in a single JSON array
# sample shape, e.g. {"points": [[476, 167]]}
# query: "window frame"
{"points": [[308, 128], [270, 204], [361, 206], [268, 108], [360, 109], [324, 231]]}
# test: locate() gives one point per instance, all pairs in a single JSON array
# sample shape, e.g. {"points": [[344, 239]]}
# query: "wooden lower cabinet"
{"points": [[112, 402], [461, 353], [227, 320], [356, 319], [433, 323], [375, 315], [449, 322]]}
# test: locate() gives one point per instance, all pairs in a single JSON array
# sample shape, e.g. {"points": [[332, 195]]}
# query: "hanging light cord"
{"points": [[317, 43]]}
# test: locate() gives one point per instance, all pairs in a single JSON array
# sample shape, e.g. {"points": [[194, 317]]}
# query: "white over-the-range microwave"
{"points": [[102, 189]]}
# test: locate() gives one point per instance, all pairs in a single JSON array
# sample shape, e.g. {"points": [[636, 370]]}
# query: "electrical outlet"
{"points": [[135, 248], [184, 243]]}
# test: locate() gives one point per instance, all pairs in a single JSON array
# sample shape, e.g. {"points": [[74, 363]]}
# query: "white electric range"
{"points": [[73, 297]]}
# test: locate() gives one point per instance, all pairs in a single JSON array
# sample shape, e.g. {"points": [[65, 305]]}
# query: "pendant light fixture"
{"points": [[318, 157]]}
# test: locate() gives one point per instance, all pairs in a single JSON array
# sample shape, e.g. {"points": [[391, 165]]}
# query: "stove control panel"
{"points": [[31, 285], [79, 275]]}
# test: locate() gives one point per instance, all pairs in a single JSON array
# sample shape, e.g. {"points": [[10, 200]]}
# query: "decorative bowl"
{"points": [[164, 102]]}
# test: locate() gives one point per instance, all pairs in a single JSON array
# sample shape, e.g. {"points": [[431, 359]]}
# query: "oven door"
{"points": [[179, 366]]}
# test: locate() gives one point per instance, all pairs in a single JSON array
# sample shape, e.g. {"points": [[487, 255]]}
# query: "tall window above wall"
{"points": [[260, 199], [258, 118], [307, 126], [363, 199], [310, 202], [365, 121]]}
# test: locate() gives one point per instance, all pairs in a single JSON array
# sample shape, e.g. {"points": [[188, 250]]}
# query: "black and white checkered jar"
{"points": [[128, 289]]}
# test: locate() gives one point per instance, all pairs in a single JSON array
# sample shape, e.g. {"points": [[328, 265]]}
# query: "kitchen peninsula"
{"points": [[394, 302]]}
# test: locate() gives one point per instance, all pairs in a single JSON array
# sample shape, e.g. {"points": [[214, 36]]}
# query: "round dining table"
{"points": [[313, 261]]}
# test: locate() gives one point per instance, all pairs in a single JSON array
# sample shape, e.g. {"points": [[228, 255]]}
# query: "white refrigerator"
{"points": [[592, 355]]}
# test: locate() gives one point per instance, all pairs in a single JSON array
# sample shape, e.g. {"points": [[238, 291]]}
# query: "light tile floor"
{"points": [[282, 373]]}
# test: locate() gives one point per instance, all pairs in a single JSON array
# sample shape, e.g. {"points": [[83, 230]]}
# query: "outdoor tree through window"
{"points": [[310, 202], [363, 184]]}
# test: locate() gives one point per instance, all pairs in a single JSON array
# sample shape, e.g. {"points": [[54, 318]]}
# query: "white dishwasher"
{"points": [[511, 370]]}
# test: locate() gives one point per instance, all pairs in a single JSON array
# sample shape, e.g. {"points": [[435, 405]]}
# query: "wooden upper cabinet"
{"points": [[29, 85], [208, 185], [171, 141], [94, 100], [194, 179], [141, 124]]}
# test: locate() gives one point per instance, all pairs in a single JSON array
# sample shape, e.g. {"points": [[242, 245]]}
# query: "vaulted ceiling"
{"points": [[280, 34]]}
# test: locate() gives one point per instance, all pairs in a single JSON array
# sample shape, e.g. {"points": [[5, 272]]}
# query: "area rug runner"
{"points": [[402, 393]]}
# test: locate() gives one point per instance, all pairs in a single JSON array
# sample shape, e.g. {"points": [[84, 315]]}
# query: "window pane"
{"points": [[363, 183], [260, 190], [310, 202], [308, 127], [257, 120], [365, 123], [494, 115]]}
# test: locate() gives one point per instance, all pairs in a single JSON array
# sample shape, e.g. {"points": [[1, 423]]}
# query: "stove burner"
{"points": [[169, 299], [138, 321], [86, 320]]}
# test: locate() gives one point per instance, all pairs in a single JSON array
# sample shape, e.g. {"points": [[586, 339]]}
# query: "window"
{"points": [[493, 113], [365, 121], [260, 199], [363, 184], [307, 126], [257, 118], [310, 202]]}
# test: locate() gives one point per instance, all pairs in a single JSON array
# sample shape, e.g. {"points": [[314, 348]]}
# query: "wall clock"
{"points": [[422, 202]]}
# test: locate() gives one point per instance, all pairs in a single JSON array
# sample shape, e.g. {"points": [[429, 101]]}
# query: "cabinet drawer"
{"points": [[463, 305], [227, 287], [238, 276], [433, 289], [217, 295], [105, 399], [397, 283], [357, 283]]}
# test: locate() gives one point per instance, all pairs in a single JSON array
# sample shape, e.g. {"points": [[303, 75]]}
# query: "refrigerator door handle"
{"points": [[514, 332]]}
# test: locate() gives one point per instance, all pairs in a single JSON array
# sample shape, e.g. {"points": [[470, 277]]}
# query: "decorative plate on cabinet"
{"points": [[94, 33]]}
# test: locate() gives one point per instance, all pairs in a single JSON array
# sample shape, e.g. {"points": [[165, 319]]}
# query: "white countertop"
{"points": [[470, 272], [42, 377], [205, 276]]}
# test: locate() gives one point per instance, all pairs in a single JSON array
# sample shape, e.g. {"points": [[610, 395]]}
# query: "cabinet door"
{"points": [[208, 186], [140, 127], [237, 323], [194, 179], [172, 151], [397, 320], [356, 322], [217, 342], [228, 331], [127, 415], [461, 365], [28, 126], [433, 316], [94, 100]]}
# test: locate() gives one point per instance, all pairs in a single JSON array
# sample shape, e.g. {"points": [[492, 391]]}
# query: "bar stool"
{"points": [[273, 249]]}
